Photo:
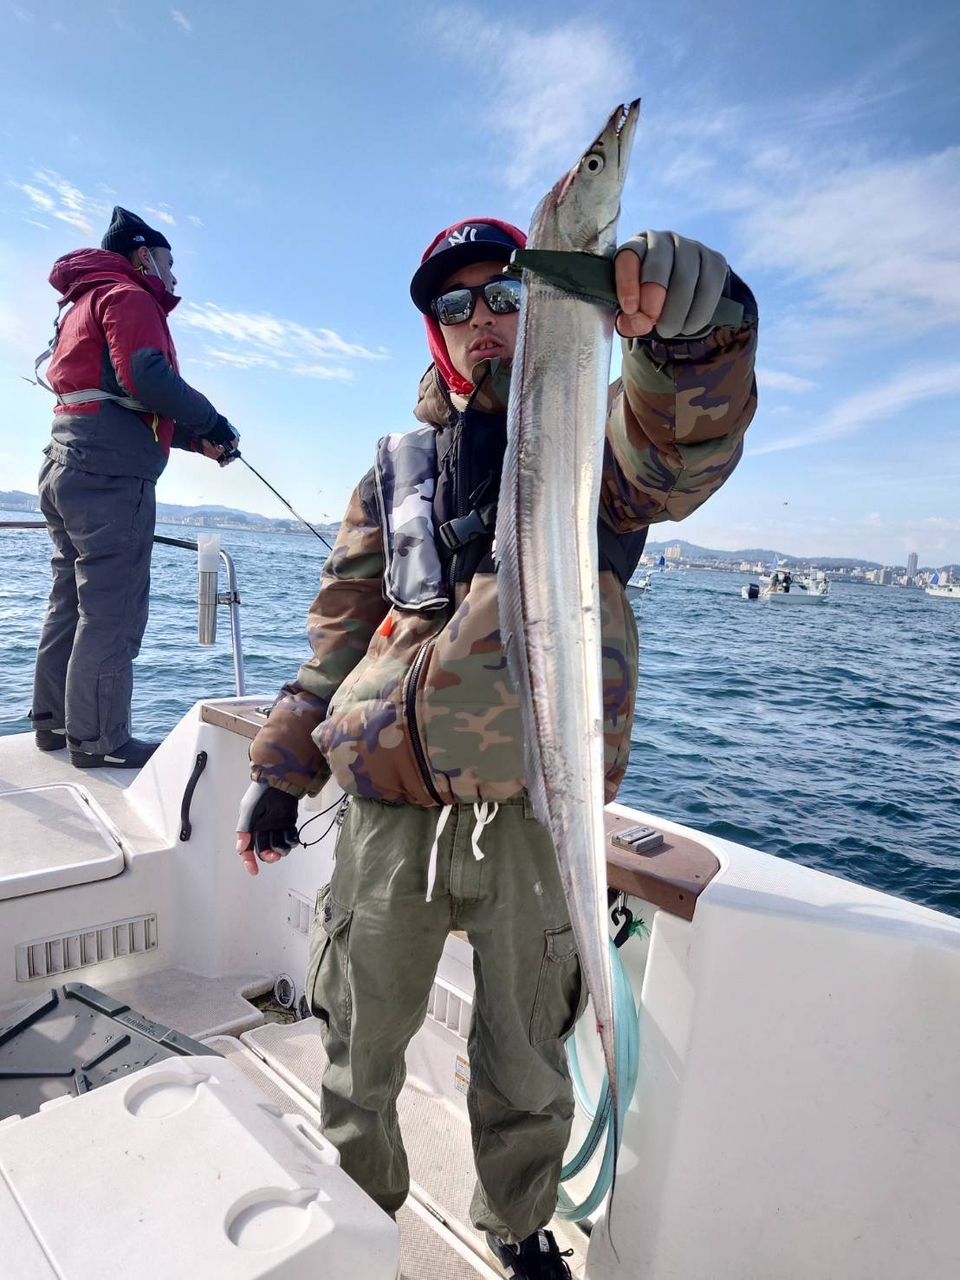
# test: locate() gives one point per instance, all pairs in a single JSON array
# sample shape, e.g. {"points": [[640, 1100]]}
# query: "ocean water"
{"points": [[829, 735]]}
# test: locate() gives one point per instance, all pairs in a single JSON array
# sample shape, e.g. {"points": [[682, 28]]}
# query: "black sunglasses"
{"points": [[458, 305]]}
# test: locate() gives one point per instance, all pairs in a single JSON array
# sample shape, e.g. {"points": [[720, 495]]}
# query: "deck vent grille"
{"points": [[68, 951], [451, 1008], [299, 912]]}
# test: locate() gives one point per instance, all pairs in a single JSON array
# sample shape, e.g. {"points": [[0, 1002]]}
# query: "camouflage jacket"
{"points": [[414, 704]]}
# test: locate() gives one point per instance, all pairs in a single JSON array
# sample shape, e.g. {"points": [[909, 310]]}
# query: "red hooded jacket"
{"points": [[115, 338]]}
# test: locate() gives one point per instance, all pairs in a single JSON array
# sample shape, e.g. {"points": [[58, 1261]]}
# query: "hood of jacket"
{"points": [[83, 269], [435, 341]]}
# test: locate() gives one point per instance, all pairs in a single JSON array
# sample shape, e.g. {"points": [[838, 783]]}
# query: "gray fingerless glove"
{"points": [[693, 276]]}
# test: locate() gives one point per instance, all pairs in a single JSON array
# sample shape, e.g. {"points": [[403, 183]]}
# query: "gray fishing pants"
{"points": [[102, 532], [374, 950]]}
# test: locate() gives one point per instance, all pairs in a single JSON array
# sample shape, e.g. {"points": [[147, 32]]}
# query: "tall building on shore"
{"points": [[674, 553], [912, 562]]}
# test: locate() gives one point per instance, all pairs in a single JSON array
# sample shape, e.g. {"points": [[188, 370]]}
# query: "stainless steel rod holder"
{"points": [[232, 599], [208, 551], [209, 597]]}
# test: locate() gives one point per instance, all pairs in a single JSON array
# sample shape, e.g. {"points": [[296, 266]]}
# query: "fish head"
{"points": [[580, 213]]}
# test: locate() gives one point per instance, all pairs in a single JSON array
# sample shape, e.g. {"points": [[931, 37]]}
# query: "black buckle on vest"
{"points": [[458, 532]]}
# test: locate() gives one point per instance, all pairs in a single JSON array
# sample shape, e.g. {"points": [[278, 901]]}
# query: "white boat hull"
{"points": [[794, 597]]}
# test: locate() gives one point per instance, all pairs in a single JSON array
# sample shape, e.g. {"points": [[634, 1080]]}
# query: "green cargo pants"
{"points": [[374, 950]]}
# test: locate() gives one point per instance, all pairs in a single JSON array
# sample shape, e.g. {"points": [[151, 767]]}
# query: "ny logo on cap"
{"points": [[463, 235]]}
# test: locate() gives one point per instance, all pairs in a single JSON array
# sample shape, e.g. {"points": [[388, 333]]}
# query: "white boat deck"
{"points": [[23, 766]]}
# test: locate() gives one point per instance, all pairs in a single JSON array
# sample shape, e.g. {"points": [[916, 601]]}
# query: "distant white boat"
{"points": [[636, 589], [788, 590], [949, 591]]}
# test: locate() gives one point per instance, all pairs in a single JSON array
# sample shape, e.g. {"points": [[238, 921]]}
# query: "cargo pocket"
{"points": [[561, 991], [327, 984]]}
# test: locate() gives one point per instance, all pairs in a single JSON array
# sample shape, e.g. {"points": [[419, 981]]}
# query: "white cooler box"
{"points": [[183, 1169]]}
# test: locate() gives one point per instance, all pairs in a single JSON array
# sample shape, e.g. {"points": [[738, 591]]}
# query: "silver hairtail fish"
{"points": [[546, 546]]}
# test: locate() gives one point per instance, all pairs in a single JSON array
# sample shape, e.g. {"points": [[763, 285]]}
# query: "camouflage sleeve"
{"points": [[676, 425], [340, 625]]}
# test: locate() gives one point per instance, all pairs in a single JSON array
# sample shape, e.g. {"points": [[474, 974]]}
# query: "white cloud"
{"points": [[237, 360], [907, 390], [940, 524], [880, 242], [51, 194], [249, 340], [551, 86], [39, 199], [778, 380], [192, 218], [325, 372], [162, 214], [73, 219], [182, 21]]}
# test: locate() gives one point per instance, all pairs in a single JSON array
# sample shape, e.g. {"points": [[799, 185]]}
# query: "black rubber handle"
{"points": [[198, 768]]}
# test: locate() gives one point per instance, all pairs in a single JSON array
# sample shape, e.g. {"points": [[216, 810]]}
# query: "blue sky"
{"points": [[300, 156]]}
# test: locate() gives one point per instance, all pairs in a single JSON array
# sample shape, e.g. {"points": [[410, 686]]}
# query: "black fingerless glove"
{"points": [[271, 818], [223, 434]]}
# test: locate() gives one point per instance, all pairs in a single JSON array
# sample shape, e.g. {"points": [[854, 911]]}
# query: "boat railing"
{"points": [[209, 596]]}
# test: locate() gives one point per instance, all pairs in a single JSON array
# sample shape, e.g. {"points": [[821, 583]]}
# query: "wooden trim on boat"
{"points": [[672, 876], [243, 718]]}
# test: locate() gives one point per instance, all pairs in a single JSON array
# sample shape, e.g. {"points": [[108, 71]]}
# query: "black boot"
{"points": [[537, 1257], [132, 754], [51, 739]]}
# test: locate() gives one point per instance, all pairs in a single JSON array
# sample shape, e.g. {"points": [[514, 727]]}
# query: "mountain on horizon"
{"points": [[17, 500], [757, 555]]}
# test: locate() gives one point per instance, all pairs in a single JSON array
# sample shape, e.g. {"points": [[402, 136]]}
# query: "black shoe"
{"points": [[132, 754], [536, 1257], [51, 739]]}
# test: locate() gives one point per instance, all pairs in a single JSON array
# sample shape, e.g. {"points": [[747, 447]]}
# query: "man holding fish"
{"points": [[409, 703]]}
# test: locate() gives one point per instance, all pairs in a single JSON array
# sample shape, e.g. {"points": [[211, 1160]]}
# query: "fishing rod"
{"points": [[228, 456], [235, 453]]}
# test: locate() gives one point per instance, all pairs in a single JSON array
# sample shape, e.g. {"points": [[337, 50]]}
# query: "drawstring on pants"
{"points": [[483, 818], [434, 850], [484, 811]]}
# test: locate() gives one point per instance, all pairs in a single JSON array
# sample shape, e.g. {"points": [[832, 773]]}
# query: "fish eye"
{"points": [[593, 163]]}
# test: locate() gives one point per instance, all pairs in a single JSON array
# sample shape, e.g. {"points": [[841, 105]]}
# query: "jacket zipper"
{"points": [[410, 706], [457, 504]]}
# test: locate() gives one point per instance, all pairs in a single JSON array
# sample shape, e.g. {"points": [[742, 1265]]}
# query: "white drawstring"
{"points": [[483, 817], [484, 811], [434, 850]]}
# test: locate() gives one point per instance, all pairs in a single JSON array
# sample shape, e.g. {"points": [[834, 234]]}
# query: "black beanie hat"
{"points": [[127, 233]]}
